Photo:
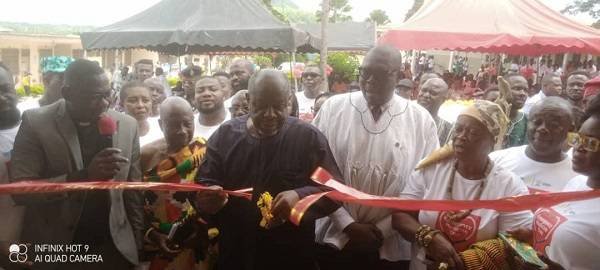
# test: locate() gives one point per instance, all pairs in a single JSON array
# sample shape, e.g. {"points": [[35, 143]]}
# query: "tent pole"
{"points": [[292, 64], [565, 61], [450, 61], [210, 63]]}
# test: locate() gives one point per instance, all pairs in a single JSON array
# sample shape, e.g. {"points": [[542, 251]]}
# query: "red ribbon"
{"points": [[347, 194], [47, 187]]}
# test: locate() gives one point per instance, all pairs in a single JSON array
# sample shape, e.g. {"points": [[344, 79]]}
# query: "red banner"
{"points": [[347, 194], [47, 187]]}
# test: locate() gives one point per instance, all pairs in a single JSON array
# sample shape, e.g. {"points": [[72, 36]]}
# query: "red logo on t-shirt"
{"points": [[545, 222], [461, 233]]}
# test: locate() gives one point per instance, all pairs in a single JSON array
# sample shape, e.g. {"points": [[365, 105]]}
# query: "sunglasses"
{"points": [[590, 144]]}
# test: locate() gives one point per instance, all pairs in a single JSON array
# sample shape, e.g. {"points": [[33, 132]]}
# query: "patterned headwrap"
{"points": [[55, 63], [493, 115], [591, 87]]}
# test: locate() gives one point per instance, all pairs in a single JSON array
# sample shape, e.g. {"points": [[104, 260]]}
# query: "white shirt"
{"points": [[432, 183], [154, 132], [13, 215], [569, 233], [227, 103], [374, 157], [538, 176], [206, 131], [533, 100], [305, 106]]}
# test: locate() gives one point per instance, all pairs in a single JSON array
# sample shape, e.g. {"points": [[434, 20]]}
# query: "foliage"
{"points": [[338, 11], [264, 61], [591, 7], [274, 11], [344, 64], [46, 29], [172, 81], [296, 15], [285, 57], [36, 90], [417, 4], [379, 17]]}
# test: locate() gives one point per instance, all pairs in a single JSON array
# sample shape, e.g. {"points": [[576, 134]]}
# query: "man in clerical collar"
{"points": [[61, 143], [377, 138], [272, 152]]}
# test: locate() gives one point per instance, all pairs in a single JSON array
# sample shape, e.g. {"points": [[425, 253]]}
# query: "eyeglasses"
{"points": [[310, 74], [590, 144], [366, 73]]}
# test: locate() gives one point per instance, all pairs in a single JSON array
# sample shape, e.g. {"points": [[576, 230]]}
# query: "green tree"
{"points": [[274, 11], [591, 7], [417, 4], [296, 15], [344, 64], [339, 10], [379, 17]]}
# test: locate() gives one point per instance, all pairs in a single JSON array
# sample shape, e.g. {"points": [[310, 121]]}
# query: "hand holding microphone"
{"points": [[106, 163]]}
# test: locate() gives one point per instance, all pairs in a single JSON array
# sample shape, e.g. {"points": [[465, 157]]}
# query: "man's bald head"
{"points": [[176, 122], [432, 95], [548, 123], [379, 73], [269, 80], [269, 92], [438, 83], [556, 103], [240, 71], [388, 54], [174, 104]]}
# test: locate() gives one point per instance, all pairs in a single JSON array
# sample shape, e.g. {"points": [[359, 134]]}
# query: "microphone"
{"points": [[107, 128]]}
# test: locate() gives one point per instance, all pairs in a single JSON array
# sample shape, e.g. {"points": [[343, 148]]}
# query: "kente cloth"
{"points": [[165, 208]]}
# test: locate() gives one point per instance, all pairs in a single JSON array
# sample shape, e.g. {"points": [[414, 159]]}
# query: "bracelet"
{"points": [[421, 233], [429, 237], [147, 235]]}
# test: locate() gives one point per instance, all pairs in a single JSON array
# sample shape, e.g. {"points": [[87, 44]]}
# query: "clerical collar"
{"points": [[83, 124]]}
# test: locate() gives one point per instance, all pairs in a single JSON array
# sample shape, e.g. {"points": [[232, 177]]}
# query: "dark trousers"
{"points": [[333, 259]]}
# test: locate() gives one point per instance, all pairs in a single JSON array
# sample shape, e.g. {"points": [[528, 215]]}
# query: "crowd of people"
{"points": [[246, 128]]}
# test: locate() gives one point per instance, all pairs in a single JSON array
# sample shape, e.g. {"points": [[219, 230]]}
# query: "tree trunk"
{"points": [[324, 23]]}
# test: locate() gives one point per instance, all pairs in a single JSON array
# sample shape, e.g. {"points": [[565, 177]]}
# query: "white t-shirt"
{"points": [[538, 176], [206, 131], [569, 233], [12, 214], [227, 103], [305, 106], [432, 184], [154, 132]]}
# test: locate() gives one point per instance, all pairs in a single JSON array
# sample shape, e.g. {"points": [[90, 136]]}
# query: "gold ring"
{"points": [[443, 266]]}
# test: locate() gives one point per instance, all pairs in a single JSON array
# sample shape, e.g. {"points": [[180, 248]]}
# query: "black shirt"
{"points": [[93, 227], [234, 160]]}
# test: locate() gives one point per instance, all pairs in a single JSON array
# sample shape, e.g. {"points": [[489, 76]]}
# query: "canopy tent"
{"points": [[519, 27], [345, 36], [179, 27]]}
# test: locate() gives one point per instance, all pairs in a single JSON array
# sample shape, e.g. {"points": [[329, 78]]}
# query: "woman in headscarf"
{"points": [[462, 171], [568, 234]]}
